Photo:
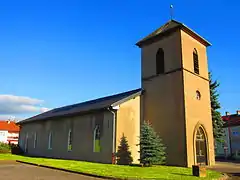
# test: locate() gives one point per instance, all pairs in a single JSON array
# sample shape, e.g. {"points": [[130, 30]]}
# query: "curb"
{"points": [[70, 171]]}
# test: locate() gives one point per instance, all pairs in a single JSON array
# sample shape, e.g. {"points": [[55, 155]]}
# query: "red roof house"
{"points": [[231, 119], [9, 132]]}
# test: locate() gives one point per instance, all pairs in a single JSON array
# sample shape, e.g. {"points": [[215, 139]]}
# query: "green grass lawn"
{"points": [[155, 172]]}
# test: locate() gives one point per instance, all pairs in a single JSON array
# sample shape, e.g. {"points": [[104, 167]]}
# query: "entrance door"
{"points": [[201, 147]]}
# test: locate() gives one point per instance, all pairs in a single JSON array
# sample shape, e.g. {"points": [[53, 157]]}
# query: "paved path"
{"points": [[232, 169], [17, 171]]}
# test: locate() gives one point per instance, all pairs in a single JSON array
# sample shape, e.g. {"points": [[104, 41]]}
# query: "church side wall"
{"points": [[82, 138], [128, 124]]}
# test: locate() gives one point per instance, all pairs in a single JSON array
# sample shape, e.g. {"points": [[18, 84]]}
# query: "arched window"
{"points": [[160, 69], [26, 143], [195, 61], [35, 140], [50, 140], [96, 139], [69, 147], [198, 95]]}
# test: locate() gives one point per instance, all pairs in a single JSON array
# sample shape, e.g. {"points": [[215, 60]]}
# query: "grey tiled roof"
{"points": [[96, 104], [170, 25]]}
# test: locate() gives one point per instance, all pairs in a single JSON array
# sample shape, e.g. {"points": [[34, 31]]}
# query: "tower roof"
{"points": [[169, 27]]}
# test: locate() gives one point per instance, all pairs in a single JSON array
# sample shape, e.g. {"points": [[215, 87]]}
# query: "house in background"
{"points": [[174, 98], [9, 132], [230, 146]]}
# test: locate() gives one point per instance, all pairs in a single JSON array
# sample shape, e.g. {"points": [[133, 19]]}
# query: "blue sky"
{"points": [[62, 52]]}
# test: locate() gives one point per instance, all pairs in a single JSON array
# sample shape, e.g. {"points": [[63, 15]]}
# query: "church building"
{"points": [[174, 97]]}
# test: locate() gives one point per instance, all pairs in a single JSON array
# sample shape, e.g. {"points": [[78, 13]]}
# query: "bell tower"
{"points": [[176, 96]]}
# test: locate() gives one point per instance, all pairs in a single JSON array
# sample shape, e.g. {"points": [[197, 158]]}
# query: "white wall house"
{"points": [[9, 132], [230, 146], [3, 136]]}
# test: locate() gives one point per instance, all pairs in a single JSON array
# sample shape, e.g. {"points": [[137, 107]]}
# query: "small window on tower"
{"points": [[160, 67], [198, 95], [195, 61]]}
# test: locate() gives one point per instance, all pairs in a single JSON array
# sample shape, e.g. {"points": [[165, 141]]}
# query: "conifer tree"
{"points": [[215, 105], [152, 151], [123, 154]]}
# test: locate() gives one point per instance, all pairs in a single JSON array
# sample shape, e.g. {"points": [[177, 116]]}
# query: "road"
{"points": [[17, 171], [230, 168]]}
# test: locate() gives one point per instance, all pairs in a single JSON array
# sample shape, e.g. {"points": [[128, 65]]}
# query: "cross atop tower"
{"points": [[171, 11]]}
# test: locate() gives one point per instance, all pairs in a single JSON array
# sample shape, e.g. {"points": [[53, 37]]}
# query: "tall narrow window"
{"points": [[96, 139], [26, 143], [35, 140], [160, 65], [69, 140], [50, 140], [195, 61]]}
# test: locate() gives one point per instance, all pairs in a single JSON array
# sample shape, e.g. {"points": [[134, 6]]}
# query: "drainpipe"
{"points": [[113, 110]]}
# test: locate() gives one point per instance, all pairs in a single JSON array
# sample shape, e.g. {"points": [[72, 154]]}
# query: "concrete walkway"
{"points": [[230, 168]]}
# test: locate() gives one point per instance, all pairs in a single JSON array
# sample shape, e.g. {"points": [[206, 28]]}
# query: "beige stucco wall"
{"points": [[172, 54], [82, 145], [188, 45], [164, 108], [128, 123], [162, 102], [197, 112]]}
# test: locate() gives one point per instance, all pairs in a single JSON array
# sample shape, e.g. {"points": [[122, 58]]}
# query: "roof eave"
{"points": [[61, 116], [165, 33], [195, 35], [127, 98]]}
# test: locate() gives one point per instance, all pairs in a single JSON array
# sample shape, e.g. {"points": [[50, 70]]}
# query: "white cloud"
{"points": [[15, 105], [11, 99]]}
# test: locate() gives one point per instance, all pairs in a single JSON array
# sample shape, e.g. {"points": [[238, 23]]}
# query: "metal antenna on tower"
{"points": [[171, 11]]}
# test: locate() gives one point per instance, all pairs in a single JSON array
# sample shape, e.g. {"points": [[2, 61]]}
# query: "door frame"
{"points": [[206, 143]]}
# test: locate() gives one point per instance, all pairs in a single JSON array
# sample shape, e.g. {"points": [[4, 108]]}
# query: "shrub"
{"points": [[124, 155], [5, 148], [152, 151], [15, 149]]}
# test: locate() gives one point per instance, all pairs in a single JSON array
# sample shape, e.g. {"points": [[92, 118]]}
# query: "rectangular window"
{"points": [[50, 140], [69, 140], [35, 140]]}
